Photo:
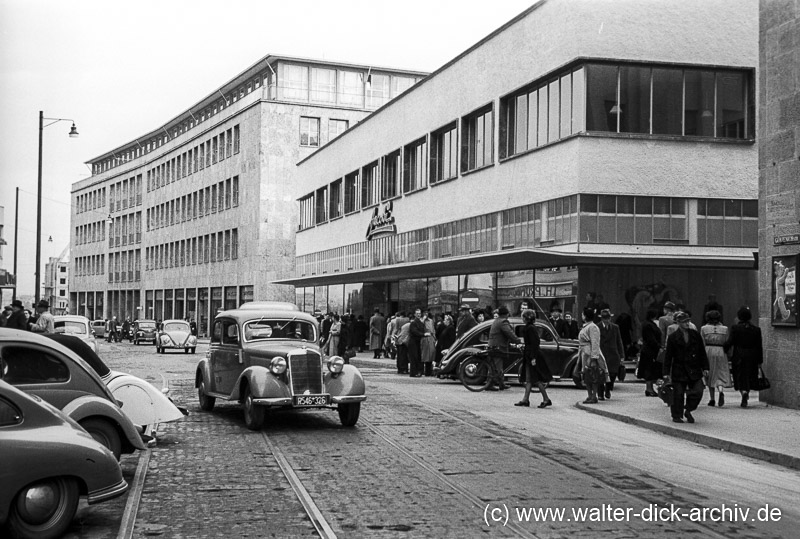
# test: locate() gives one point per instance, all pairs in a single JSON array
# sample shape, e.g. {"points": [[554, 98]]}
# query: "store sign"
{"points": [[786, 239], [381, 224]]}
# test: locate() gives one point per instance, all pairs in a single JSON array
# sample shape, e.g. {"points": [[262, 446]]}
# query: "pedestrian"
{"points": [[685, 365], [113, 334], [648, 368], [501, 335], [377, 325], [17, 319], [663, 324], [465, 320], [589, 356], [193, 327], [744, 340], [325, 328], [625, 323], [415, 334], [480, 316], [613, 352], [45, 323], [345, 343], [534, 366], [126, 328], [719, 374], [446, 338], [428, 344], [402, 343], [712, 305], [559, 324], [331, 346], [360, 328], [572, 326], [388, 341], [7, 310]]}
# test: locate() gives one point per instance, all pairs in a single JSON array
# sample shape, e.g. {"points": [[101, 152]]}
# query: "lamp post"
{"points": [[73, 132]]}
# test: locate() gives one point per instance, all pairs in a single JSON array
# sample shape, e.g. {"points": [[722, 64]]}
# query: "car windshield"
{"points": [[147, 325], [257, 330], [70, 328], [176, 326]]}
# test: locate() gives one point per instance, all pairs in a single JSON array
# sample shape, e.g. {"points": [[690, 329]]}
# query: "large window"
{"points": [[336, 199], [478, 139], [444, 153], [370, 184], [731, 223], [294, 82], [323, 85], [633, 220], [390, 175], [336, 128], [415, 173], [309, 131], [321, 205], [401, 84], [377, 91], [351, 190], [351, 88]]}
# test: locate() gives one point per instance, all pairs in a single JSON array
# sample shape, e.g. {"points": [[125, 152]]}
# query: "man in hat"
{"points": [[685, 365], [465, 320], [612, 348], [500, 336], [45, 323], [5, 315], [663, 323], [559, 324]]}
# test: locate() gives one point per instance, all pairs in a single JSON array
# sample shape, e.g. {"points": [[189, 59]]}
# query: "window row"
{"points": [[310, 130], [91, 201], [215, 247], [90, 233], [221, 196], [125, 194], [89, 265], [210, 152], [125, 230], [125, 267]]}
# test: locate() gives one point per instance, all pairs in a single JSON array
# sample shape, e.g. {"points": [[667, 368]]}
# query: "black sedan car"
{"points": [[560, 354]]}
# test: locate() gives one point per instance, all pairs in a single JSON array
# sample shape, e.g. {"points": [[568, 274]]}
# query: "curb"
{"points": [[772, 457]]}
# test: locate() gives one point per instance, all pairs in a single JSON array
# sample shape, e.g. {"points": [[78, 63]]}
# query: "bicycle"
{"points": [[478, 371]]}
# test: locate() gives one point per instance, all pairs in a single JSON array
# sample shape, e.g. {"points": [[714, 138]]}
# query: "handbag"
{"points": [[763, 381], [666, 392]]}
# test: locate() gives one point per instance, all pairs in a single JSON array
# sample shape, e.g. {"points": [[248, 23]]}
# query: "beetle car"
{"points": [[267, 358], [99, 328], [49, 461], [175, 335], [77, 326], [40, 366], [144, 331], [560, 354]]}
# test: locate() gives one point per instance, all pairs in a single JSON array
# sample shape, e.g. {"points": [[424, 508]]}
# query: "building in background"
{"points": [[199, 214], [779, 197], [586, 153], [7, 280], [56, 283]]}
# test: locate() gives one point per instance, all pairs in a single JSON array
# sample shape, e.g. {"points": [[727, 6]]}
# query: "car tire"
{"points": [[253, 413], [474, 373], [206, 402], [61, 495], [348, 413], [105, 433]]}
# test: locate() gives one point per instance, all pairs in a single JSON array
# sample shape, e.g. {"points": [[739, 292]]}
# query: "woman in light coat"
{"points": [[428, 345]]}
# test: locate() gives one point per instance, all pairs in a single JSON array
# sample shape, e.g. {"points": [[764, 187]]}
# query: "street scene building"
{"points": [[585, 153], [56, 282], [199, 214]]}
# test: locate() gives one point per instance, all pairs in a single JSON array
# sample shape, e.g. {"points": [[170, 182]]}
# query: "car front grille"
{"points": [[305, 372]]}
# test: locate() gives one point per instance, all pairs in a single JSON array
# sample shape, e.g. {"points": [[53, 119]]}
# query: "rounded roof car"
{"points": [[43, 367], [175, 335], [144, 330], [77, 326], [269, 358], [48, 462]]}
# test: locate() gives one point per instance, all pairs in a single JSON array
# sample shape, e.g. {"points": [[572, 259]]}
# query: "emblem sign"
{"points": [[381, 224]]}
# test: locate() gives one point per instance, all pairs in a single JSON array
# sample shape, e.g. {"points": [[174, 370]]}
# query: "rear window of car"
{"points": [[257, 330], [70, 328], [9, 414], [176, 326], [24, 365]]}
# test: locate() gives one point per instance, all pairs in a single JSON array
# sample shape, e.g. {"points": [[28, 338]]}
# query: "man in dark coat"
{"points": [[500, 335], [402, 346], [360, 330], [415, 334], [748, 353], [465, 320], [559, 324], [325, 327], [571, 325], [17, 319], [685, 364], [613, 350]]}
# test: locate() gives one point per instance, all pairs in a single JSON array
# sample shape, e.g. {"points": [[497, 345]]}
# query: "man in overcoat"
{"points": [[685, 365], [501, 335], [465, 320], [613, 350], [377, 325], [17, 319]]}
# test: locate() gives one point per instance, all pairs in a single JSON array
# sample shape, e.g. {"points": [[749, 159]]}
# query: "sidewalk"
{"points": [[760, 431]]}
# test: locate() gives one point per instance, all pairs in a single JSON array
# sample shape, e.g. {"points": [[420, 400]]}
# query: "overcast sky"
{"points": [[120, 69]]}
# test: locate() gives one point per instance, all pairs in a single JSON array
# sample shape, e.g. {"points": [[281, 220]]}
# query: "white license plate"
{"points": [[311, 400]]}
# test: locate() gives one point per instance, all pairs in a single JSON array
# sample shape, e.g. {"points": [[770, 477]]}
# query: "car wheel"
{"points": [[474, 373], [206, 402], [348, 413], [253, 413], [105, 433], [44, 509]]}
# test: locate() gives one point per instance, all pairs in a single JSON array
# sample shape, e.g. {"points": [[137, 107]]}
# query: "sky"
{"points": [[121, 69]]}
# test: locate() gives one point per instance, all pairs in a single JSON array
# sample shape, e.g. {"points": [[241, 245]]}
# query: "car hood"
{"points": [[280, 347], [141, 401]]}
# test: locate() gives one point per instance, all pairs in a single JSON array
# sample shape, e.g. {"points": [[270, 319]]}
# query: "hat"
{"points": [[682, 317], [605, 313], [17, 303], [669, 305], [713, 315], [7, 308], [43, 304], [502, 311], [464, 306]]}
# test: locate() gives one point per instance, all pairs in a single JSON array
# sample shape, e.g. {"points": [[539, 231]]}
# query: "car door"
{"points": [[226, 355], [41, 372], [554, 354]]}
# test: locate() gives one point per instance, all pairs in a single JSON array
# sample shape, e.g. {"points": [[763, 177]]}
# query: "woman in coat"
{"points": [[591, 361], [535, 367], [331, 347], [446, 338], [719, 374], [745, 340], [649, 369], [428, 345]]}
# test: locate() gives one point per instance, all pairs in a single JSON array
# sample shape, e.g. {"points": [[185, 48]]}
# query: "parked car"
{"points": [[175, 335], [559, 353], [40, 366], [144, 331], [99, 328], [48, 462], [267, 357], [77, 326]]}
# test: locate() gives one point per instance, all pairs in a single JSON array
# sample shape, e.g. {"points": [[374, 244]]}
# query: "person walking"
{"points": [[402, 343], [719, 374], [45, 323], [649, 369], [613, 351], [465, 320], [377, 326], [685, 365], [589, 355], [126, 329], [17, 319], [745, 341], [428, 345], [501, 335], [416, 332], [534, 366], [113, 334]]}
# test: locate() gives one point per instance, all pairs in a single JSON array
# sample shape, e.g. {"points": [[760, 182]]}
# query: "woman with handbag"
{"points": [[719, 375], [536, 369], [748, 354]]}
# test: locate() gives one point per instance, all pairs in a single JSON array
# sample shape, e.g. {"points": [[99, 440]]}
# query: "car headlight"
{"points": [[335, 364], [278, 365], [165, 339], [192, 340]]}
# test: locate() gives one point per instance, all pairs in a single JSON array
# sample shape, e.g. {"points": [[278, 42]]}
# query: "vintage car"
{"points": [[40, 366], [77, 326], [175, 335], [268, 358], [99, 328], [560, 354], [144, 331], [48, 462]]}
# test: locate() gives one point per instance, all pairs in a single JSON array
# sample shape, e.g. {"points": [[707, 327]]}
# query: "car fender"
{"points": [[89, 406], [203, 372], [263, 384], [348, 382], [141, 401], [454, 363]]}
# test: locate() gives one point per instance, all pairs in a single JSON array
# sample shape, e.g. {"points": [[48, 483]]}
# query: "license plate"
{"points": [[311, 400]]}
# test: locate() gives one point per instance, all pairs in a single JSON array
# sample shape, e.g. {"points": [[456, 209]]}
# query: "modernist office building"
{"points": [[199, 214], [584, 152]]}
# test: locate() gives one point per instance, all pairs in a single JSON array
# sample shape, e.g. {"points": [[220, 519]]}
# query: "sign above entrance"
{"points": [[381, 224], [786, 239]]}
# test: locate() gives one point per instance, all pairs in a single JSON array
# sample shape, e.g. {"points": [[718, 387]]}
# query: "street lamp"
{"points": [[73, 132]]}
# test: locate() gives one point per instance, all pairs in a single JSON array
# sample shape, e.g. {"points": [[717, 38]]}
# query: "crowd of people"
{"points": [[16, 316]]}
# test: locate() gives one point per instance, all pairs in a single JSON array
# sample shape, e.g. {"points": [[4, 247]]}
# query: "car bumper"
{"points": [[287, 401], [107, 493]]}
